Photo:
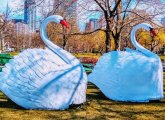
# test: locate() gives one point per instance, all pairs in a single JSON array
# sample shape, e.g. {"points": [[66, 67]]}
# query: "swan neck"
{"points": [[44, 36], [59, 51], [136, 44]]}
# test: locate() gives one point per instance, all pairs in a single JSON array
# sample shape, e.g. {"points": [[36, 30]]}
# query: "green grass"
{"points": [[97, 107]]}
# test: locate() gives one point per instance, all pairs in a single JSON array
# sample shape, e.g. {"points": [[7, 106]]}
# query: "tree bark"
{"points": [[107, 41]]}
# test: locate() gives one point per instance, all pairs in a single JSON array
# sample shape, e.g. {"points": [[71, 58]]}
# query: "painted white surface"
{"points": [[48, 78], [131, 75]]}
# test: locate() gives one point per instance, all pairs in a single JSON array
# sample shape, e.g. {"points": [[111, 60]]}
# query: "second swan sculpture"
{"points": [[49, 79], [131, 75]]}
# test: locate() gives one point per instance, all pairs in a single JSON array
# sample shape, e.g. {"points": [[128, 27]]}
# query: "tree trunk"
{"points": [[118, 23], [64, 38], [107, 46], [107, 40], [64, 41], [116, 42]]}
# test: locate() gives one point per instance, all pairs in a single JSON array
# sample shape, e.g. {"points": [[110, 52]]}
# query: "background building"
{"points": [[67, 7], [30, 14], [20, 26], [92, 24]]}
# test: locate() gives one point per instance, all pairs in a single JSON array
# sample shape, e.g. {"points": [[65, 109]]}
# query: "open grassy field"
{"points": [[97, 107]]}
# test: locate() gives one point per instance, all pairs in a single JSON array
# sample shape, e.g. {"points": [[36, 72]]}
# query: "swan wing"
{"points": [[38, 79]]}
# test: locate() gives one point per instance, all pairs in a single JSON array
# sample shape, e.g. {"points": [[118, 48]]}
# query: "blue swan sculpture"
{"points": [[48, 78], [131, 75]]}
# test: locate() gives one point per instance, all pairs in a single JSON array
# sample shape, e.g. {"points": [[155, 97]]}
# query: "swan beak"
{"points": [[152, 31], [64, 23]]}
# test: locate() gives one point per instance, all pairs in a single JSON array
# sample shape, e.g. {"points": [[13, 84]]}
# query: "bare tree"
{"points": [[120, 15], [67, 9], [5, 27]]}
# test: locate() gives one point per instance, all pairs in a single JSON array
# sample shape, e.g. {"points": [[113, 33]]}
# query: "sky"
{"points": [[15, 4], [12, 3]]}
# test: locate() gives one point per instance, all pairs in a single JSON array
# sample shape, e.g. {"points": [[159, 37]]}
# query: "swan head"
{"points": [[138, 47], [60, 20], [148, 27]]}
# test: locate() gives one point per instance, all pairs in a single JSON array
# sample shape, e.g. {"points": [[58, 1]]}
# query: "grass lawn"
{"points": [[97, 107]]}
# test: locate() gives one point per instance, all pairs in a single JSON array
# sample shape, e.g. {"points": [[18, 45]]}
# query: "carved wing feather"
{"points": [[39, 78]]}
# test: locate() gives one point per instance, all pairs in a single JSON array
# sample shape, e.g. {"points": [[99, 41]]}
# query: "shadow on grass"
{"points": [[95, 93], [7, 103], [123, 110]]}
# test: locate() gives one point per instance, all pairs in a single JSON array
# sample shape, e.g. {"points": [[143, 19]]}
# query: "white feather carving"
{"points": [[41, 79]]}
